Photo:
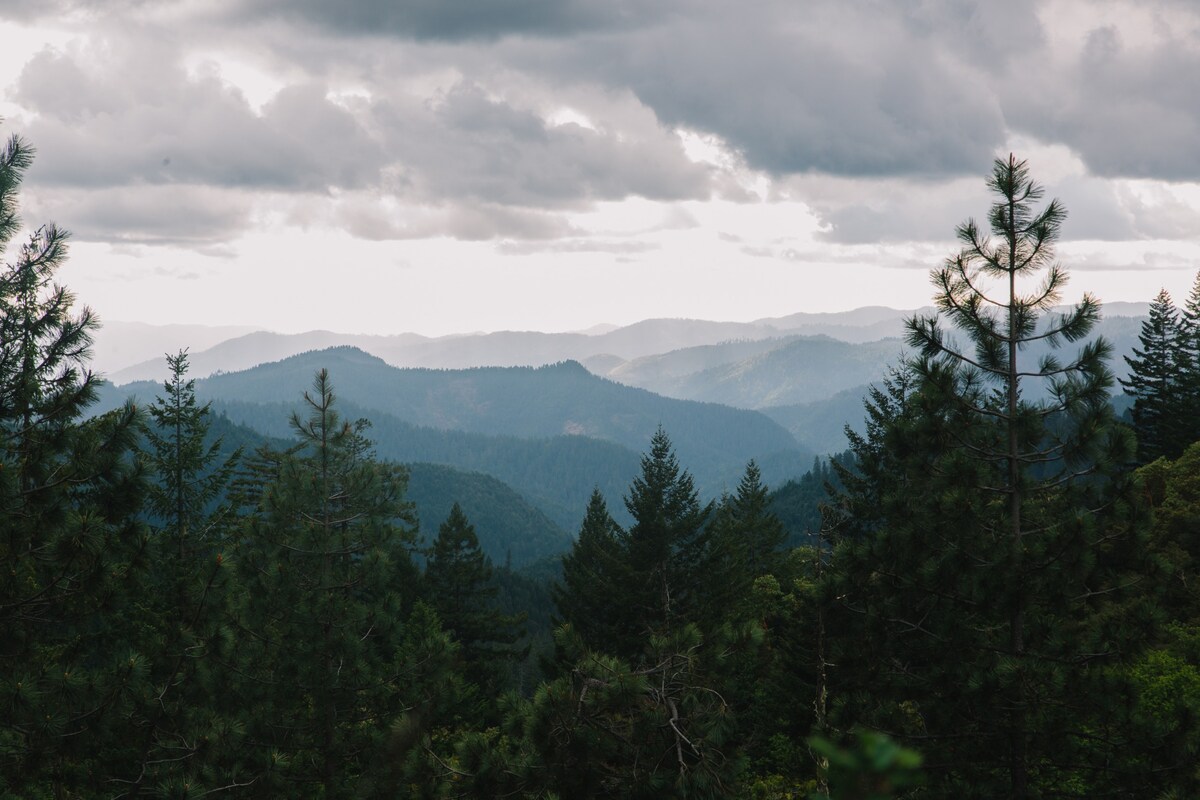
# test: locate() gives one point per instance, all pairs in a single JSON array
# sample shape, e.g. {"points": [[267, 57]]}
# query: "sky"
{"points": [[443, 166]]}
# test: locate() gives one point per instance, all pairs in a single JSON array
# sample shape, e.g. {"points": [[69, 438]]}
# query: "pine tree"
{"points": [[1157, 383], [974, 578], [325, 574], [71, 548], [458, 584]]}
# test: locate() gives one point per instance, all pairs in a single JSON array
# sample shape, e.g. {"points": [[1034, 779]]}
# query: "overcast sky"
{"points": [[454, 165]]}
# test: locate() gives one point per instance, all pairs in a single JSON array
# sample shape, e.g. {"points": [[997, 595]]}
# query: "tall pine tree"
{"points": [[978, 584], [72, 552]]}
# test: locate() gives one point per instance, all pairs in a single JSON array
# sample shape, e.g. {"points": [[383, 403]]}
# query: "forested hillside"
{"points": [[993, 593]]}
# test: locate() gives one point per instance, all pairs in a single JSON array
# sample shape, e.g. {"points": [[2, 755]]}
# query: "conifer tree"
{"points": [[977, 570], [325, 573], [71, 548], [459, 585], [180, 728], [594, 573], [1188, 361], [1158, 383], [744, 540], [663, 550]]}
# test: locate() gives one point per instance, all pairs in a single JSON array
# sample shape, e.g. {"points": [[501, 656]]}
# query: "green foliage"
{"points": [[593, 574], [325, 574], [458, 584], [872, 767], [510, 529], [1157, 381], [72, 553], [983, 571]]}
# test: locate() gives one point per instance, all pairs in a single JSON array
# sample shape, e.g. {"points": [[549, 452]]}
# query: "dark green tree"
{"points": [[72, 552], [743, 544], [186, 741], [593, 574], [979, 582], [1157, 383], [458, 584], [664, 551], [325, 574], [1188, 361]]}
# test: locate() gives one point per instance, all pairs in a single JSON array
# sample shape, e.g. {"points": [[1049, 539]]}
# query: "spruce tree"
{"points": [[1157, 383], [71, 548], [325, 573], [977, 567]]}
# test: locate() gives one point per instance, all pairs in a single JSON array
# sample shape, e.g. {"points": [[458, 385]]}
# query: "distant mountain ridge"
{"points": [[440, 415]]}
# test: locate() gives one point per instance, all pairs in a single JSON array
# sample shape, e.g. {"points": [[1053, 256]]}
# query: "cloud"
{"points": [[457, 20], [139, 118], [469, 145], [192, 216], [1124, 100]]}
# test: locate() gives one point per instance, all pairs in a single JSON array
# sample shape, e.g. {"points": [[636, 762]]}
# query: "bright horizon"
{"points": [[277, 167]]}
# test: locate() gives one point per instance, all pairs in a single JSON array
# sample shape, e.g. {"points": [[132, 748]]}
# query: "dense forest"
{"points": [[998, 599]]}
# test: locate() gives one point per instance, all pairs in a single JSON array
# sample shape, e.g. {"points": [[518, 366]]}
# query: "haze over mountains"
{"points": [[807, 372], [520, 427]]}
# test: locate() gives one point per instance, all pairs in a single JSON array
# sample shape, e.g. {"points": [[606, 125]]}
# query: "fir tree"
{"points": [[743, 540], [593, 574], [1157, 383], [71, 549], [458, 581], [663, 550], [325, 571], [1188, 363], [187, 741]]}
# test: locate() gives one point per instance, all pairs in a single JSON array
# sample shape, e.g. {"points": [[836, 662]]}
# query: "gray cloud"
{"points": [[1128, 111], [143, 120], [468, 145], [371, 220], [193, 216], [455, 20]]}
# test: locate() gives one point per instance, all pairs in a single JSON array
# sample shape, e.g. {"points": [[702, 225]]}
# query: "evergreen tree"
{"points": [[458, 583], [978, 583], [1188, 361], [180, 729], [743, 539], [593, 574], [1157, 383], [71, 549], [324, 572], [664, 550]]}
